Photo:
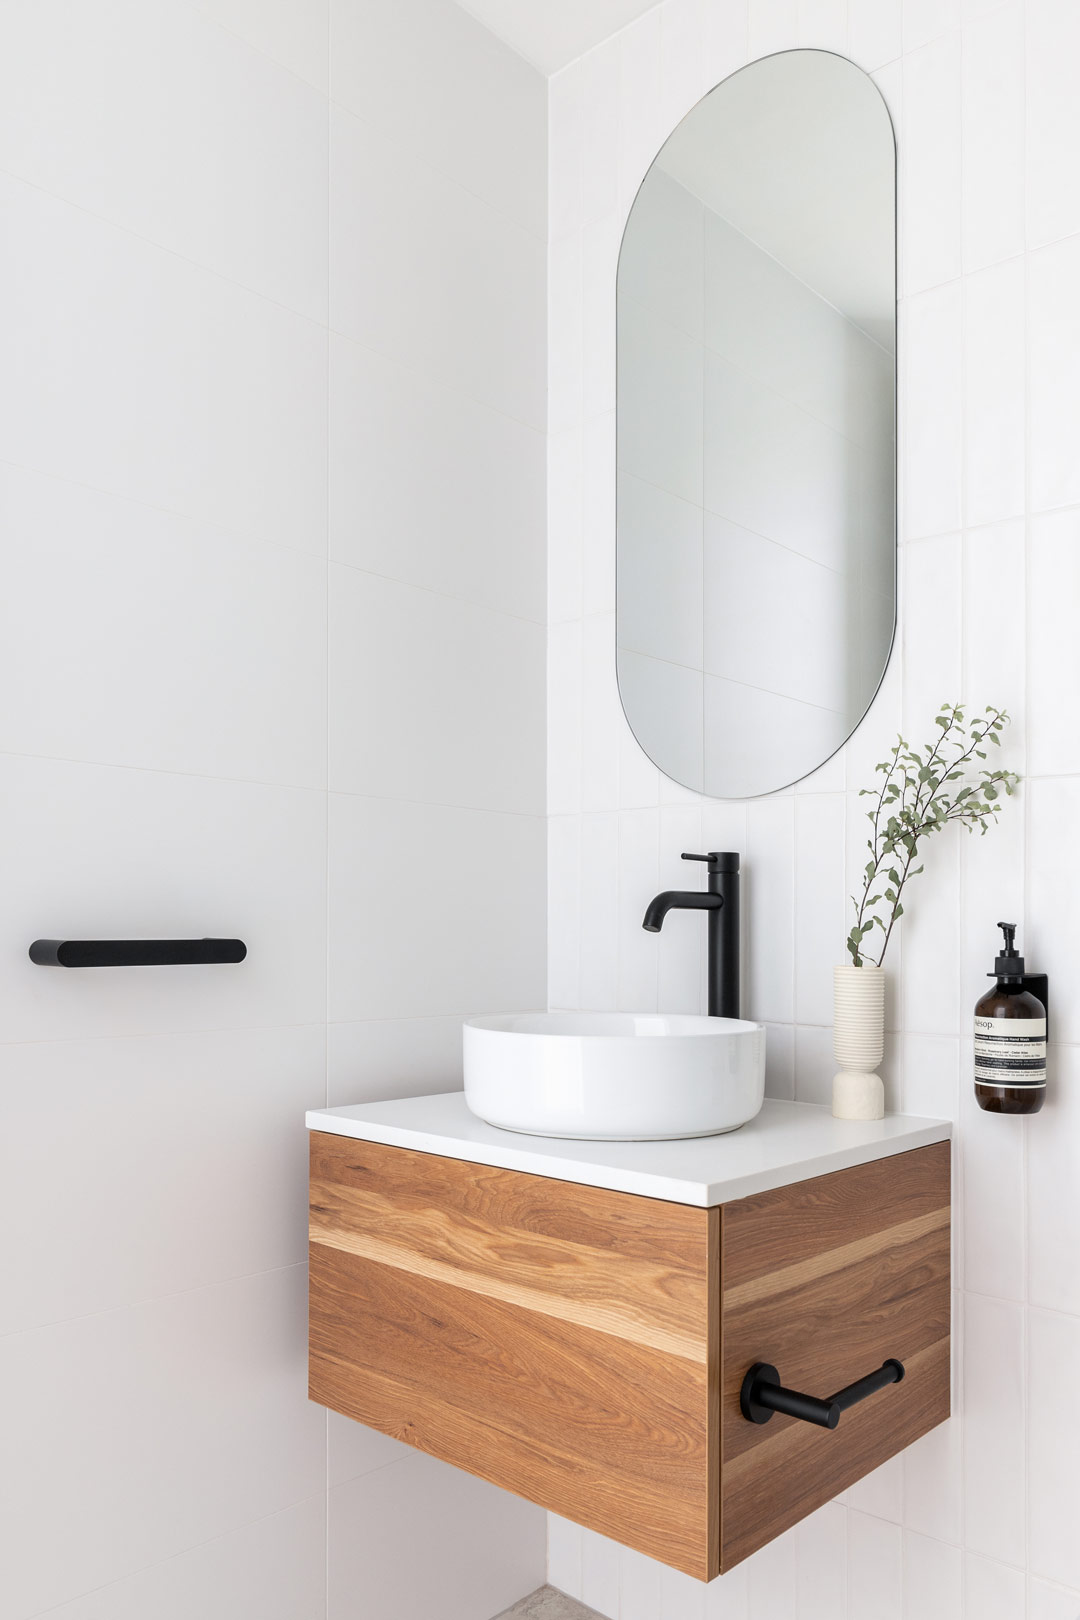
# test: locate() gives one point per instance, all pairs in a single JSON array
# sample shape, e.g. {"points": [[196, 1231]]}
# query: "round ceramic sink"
{"points": [[614, 1077]]}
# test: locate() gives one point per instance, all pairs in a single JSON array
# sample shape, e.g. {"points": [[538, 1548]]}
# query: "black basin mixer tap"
{"points": [[721, 901]]}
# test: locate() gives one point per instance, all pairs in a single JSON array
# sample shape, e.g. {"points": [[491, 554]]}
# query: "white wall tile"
{"points": [[439, 82], [1054, 378], [879, 1493], [639, 839], [774, 26], [564, 1555], [874, 1569], [433, 488], [1055, 1433], [874, 32], [1047, 1602], [932, 148], [145, 375], [230, 162], [992, 1161], [171, 645], [768, 899], [682, 1597], [681, 948], [598, 514], [564, 359], [931, 421], [924, 20], [992, 1591], [994, 1450], [599, 1573], [1054, 659], [820, 903], [1053, 1160], [770, 1580], [275, 1568], [565, 114], [932, 1076], [392, 1057], [295, 33], [399, 950], [994, 393], [1053, 142], [466, 691], [598, 980], [564, 899], [821, 1564], [599, 76], [564, 718], [144, 1103], [93, 1405], [932, 1579], [639, 1586], [815, 1065], [932, 1482], [487, 271], [601, 717], [352, 1449], [641, 131], [780, 1061], [823, 25], [1053, 912], [98, 853], [484, 1548], [993, 113]]}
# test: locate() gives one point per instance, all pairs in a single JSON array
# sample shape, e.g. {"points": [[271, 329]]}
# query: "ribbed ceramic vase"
{"points": [[858, 1041]]}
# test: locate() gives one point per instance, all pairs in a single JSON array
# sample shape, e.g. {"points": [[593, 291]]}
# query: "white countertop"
{"points": [[787, 1142]]}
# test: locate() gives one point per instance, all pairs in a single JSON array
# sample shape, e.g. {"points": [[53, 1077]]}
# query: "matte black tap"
{"points": [[721, 901]]}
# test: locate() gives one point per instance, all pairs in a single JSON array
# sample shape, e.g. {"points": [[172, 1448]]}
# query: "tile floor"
{"points": [[548, 1604]]}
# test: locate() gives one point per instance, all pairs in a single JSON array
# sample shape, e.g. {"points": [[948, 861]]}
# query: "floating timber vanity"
{"points": [[621, 1332]]}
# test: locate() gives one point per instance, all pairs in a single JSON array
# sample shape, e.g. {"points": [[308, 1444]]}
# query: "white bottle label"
{"points": [[1010, 1051]]}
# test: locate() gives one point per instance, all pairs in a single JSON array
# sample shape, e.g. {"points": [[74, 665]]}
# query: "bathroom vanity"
{"points": [[576, 1321]]}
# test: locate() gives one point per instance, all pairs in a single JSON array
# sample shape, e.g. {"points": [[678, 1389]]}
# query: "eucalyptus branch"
{"points": [[917, 798]]}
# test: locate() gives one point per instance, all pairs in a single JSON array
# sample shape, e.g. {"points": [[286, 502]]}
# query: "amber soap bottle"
{"points": [[1010, 1039]]}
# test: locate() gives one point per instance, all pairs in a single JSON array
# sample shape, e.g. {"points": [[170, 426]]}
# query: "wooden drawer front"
{"points": [[825, 1280], [552, 1338]]}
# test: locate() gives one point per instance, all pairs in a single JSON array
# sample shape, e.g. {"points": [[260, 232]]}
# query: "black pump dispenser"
{"points": [[1010, 1036], [1008, 964]]}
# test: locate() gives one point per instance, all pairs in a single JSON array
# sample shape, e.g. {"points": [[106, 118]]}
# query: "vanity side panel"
{"points": [[551, 1338], [825, 1280]]}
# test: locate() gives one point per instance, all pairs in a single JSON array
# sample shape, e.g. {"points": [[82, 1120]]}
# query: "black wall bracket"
{"points": [[75, 953], [762, 1394]]}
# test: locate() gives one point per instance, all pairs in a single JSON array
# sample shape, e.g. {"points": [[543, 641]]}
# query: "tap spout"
{"points": [[678, 900]]}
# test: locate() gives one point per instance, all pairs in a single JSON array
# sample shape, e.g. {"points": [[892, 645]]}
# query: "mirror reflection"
{"points": [[756, 427]]}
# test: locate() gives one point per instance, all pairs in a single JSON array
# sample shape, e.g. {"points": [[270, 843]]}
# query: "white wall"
{"points": [[980, 1518], [272, 652]]}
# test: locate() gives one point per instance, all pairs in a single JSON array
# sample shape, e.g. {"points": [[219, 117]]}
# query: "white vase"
{"points": [[858, 1041]]}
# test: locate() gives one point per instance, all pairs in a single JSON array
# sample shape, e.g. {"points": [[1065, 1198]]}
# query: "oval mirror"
{"points": [[756, 427]]}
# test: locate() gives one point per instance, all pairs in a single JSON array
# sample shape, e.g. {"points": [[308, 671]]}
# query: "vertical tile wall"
{"points": [[980, 1519], [272, 658]]}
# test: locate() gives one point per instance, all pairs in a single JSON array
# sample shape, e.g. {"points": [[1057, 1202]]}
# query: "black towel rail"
{"points": [[82, 953]]}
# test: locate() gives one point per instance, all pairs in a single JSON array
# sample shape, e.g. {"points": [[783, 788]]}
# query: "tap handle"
{"points": [[696, 857], [719, 860]]}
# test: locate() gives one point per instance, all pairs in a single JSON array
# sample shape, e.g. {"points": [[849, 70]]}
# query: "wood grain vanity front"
{"points": [[585, 1348]]}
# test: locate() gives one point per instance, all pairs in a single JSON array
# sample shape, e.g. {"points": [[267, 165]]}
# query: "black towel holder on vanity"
{"points": [[762, 1394], [83, 953]]}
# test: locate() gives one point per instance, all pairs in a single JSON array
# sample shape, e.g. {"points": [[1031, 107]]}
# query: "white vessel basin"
{"points": [[614, 1077]]}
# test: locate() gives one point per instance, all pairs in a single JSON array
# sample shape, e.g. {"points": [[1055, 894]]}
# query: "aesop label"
{"points": [[1010, 1051]]}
